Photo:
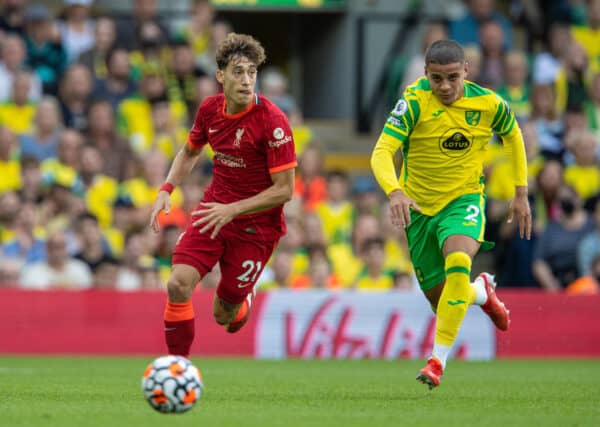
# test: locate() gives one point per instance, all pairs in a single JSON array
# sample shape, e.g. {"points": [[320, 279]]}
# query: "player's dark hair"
{"points": [[444, 52], [238, 45]]}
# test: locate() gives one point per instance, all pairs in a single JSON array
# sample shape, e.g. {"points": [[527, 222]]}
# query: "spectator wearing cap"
{"points": [[12, 61], [366, 196], [76, 29], [45, 53]]}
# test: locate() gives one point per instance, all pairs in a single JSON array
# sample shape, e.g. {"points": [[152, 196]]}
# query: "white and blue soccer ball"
{"points": [[172, 384]]}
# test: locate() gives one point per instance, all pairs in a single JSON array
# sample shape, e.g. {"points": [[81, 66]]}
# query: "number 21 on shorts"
{"points": [[251, 271]]}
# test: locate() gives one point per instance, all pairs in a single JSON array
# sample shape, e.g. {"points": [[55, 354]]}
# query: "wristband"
{"points": [[168, 187]]}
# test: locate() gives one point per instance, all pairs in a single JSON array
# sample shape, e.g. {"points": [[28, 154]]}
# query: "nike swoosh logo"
{"points": [[457, 302], [243, 285], [212, 130], [437, 113]]}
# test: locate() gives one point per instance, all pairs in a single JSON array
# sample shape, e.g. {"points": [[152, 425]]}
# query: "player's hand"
{"points": [[214, 215], [163, 202], [519, 207], [400, 205]]}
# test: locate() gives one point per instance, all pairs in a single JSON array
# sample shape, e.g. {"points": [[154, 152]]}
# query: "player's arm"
{"points": [[216, 215], [183, 163], [507, 127], [394, 134], [277, 194]]}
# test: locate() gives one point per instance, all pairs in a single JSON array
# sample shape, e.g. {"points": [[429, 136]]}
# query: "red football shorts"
{"points": [[240, 251]]}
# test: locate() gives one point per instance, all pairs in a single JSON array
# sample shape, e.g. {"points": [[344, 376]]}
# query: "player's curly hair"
{"points": [[238, 45]]}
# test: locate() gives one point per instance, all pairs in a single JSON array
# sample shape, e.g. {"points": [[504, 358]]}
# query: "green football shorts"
{"points": [[426, 235]]}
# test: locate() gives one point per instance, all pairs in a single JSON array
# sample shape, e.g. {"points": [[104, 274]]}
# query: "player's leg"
{"points": [[241, 265], [179, 311], [459, 230], [232, 316], [455, 296], [194, 255]]}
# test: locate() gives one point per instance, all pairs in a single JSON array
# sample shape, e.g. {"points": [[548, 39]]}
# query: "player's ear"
{"points": [[220, 74], [466, 69]]}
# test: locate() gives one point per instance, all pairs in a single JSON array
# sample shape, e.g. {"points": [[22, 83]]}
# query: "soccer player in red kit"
{"points": [[239, 220]]}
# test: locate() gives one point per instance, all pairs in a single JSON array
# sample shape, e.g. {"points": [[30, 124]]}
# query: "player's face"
{"points": [[447, 81], [238, 80]]}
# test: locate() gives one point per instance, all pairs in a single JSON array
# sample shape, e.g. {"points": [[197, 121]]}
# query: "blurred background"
{"points": [[96, 97]]}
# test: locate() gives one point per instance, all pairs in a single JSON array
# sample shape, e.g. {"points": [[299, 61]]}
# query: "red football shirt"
{"points": [[248, 147]]}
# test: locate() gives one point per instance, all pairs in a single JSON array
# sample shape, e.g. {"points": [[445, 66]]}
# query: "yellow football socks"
{"points": [[457, 296]]}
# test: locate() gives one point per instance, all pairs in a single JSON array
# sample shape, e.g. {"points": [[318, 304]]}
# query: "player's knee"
{"points": [[178, 289]]}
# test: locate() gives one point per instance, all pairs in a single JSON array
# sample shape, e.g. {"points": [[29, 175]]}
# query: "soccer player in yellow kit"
{"points": [[442, 124]]}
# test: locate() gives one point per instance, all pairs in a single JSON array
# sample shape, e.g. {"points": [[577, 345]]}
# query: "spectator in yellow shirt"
{"points": [[584, 174], [18, 112], [10, 168], [373, 276], [336, 211]]}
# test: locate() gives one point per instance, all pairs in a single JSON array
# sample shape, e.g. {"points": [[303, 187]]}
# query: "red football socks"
{"points": [[179, 327]]}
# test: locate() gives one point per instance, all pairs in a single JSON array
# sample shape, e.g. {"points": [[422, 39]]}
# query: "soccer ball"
{"points": [[171, 384]]}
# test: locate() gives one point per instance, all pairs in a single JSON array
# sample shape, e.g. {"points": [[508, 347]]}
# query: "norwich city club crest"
{"points": [[472, 117]]}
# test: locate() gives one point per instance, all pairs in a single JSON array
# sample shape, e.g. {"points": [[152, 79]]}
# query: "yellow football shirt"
{"points": [[443, 146], [585, 180]]}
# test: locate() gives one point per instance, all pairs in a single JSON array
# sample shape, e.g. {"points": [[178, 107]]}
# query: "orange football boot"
{"points": [[241, 317], [493, 307], [431, 374]]}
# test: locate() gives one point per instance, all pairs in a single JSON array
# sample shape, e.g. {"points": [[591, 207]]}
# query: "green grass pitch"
{"points": [[63, 392]]}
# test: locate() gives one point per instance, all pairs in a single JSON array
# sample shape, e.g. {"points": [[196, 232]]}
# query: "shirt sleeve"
{"points": [[506, 126], [197, 134], [396, 131], [281, 152]]}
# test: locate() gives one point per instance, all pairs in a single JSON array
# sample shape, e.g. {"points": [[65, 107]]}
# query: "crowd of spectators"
{"points": [[94, 108]]}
